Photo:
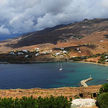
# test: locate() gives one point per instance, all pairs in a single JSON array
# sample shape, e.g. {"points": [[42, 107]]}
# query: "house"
{"points": [[57, 54], [12, 53], [37, 54], [25, 51], [62, 48], [26, 56], [78, 49], [106, 60], [106, 57], [20, 53], [37, 49], [65, 52]]}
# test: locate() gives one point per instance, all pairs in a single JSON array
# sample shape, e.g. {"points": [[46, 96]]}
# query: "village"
{"points": [[55, 54], [37, 52]]}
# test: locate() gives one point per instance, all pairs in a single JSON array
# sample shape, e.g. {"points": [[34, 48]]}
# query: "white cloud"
{"points": [[29, 15], [4, 30]]}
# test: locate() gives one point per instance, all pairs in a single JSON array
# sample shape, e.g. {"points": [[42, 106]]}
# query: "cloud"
{"points": [[20, 16], [4, 31]]}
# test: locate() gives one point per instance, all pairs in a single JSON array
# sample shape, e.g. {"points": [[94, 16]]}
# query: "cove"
{"points": [[48, 75]]}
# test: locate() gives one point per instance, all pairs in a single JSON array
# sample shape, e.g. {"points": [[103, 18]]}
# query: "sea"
{"points": [[49, 75]]}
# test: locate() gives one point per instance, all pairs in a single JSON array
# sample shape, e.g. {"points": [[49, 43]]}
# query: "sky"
{"points": [[21, 16]]}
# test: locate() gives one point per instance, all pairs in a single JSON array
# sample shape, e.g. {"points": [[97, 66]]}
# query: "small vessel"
{"points": [[61, 67]]}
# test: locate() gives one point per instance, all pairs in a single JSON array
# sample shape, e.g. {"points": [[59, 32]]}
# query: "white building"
{"points": [[20, 53], [78, 49], [26, 56], [12, 53], [37, 49], [37, 54], [25, 51], [106, 57], [58, 54], [65, 52], [62, 48], [106, 60]]}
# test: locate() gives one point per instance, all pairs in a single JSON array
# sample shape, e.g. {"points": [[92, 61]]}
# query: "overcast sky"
{"points": [[19, 16]]}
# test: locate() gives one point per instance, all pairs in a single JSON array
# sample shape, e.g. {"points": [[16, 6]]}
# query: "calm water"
{"points": [[47, 75]]}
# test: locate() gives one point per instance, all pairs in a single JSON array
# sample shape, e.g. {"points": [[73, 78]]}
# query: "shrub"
{"points": [[102, 100], [104, 88], [30, 102]]}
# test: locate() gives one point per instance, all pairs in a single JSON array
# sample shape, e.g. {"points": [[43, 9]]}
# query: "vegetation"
{"points": [[104, 88], [78, 58], [102, 99], [30, 102], [102, 59]]}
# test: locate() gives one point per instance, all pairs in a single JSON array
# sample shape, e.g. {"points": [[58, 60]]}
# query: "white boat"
{"points": [[61, 67]]}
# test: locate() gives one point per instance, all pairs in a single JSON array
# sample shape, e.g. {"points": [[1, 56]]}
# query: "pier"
{"points": [[83, 82]]}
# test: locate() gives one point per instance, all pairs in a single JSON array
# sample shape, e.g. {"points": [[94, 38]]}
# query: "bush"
{"points": [[102, 100], [104, 88], [30, 102]]}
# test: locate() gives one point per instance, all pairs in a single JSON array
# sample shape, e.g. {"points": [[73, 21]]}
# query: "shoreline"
{"points": [[35, 62], [92, 63], [69, 92]]}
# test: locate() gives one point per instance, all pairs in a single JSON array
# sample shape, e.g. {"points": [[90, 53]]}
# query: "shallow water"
{"points": [[47, 75]]}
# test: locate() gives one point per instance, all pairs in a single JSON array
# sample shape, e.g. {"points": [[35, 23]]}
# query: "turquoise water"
{"points": [[47, 75]]}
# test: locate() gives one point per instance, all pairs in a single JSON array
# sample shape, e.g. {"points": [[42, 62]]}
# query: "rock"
{"points": [[83, 103]]}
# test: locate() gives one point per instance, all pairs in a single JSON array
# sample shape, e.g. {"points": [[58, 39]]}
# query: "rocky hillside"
{"points": [[87, 37], [63, 33]]}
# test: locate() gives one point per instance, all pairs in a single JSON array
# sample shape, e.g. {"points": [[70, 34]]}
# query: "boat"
{"points": [[61, 67]]}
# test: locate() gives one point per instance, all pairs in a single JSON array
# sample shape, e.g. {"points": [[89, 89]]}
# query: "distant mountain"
{"points": [[6, 37]]}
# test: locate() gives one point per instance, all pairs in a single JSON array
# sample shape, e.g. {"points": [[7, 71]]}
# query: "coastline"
{"points": [[69, 92], [35, 62], [92, 63]]}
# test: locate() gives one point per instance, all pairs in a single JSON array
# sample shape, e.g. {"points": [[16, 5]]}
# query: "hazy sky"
{"points": [[19, 16]]}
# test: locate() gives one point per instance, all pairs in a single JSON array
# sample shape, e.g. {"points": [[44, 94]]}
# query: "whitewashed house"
{"points": [[65, 52], [58, 54], [37, 49], [20, 53], [25, 51], [62, 48], [106, 57], [106, 60], [12, 53], [26, 56], [37, 54], [78, 49]]}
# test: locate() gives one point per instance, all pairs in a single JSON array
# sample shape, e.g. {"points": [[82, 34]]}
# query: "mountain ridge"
{"points": [[86, 32]]}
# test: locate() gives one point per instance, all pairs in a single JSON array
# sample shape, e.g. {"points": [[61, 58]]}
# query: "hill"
{"points": [[85, 38]]}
